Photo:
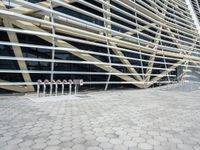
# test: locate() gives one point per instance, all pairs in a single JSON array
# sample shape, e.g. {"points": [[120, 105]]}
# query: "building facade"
{"points": [[107, 43]]}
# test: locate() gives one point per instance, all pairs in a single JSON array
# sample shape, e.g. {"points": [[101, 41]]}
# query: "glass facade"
{"points": [[107, 43]]}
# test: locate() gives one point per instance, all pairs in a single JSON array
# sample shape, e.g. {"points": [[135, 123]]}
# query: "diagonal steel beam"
{"points": [[18, 53], [120, 53], [152, 58], [87, 57], [117, 52], [163, 74], [122, 43], [125, 61]]}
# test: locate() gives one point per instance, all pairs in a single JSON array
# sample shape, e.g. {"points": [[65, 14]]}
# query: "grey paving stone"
{"points": [[78, 140], [184, 147], [130, 143], [106, 145], [120, 147], [41, 140], [53, 142], [24, 148], [39, 146], [5, 138], [175, 140], [68, 144], [26, 143], [115, 141], [138, 140], [102, 139], [10, 147], [14, 141], [167, 145], [134, 119], [94, 148], [52, 148], [90, 137], [78, 147], [153, 142], [145, 146]]}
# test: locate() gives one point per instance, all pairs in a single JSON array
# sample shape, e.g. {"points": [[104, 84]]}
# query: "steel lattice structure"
{"points": [[105, 42]]}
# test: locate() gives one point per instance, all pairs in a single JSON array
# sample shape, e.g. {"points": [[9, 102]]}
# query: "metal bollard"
{"points": [[63, 86], [38, 88], [70, 87]]}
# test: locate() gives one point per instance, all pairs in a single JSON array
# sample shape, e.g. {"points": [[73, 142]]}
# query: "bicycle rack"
{"points": [[44, 86], [63, 86], [38, 87], [76, 82], [70, 87], [56, 89]]}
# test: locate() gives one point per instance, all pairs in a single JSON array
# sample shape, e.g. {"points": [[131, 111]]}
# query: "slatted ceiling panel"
{"points": [[105, 42]]}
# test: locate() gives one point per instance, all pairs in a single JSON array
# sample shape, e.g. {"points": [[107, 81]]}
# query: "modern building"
{"points": [[107, 43]]}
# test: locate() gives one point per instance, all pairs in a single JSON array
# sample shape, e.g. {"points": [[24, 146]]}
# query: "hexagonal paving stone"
{"points": [[15, 141], [160, 138], [39, 146], [106, 145], [91, 143], [138, 140], [145, 146], [90, 137], [167, 145], [102, 139], [68, 144], [130, 143], [52, 148], [94, 148], [78, 147], [53, 142], [185, 147], [26, 143], [120, 132], [10, 147], [115, 141], [120, 147], [52, 136], [197, 147], [175, 140], [5, 138], [153, 133], [40, 140], [153, 142], [78, 140]]}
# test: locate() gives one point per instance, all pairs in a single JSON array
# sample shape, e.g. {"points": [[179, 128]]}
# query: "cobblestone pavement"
{"points": [[119, 120]]}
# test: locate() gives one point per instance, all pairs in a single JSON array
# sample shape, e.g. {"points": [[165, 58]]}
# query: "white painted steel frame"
{"points": [[186, 51]]}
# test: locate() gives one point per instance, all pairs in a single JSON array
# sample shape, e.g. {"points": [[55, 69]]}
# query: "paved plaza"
{"points": [[114, 120]]}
